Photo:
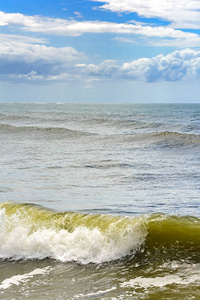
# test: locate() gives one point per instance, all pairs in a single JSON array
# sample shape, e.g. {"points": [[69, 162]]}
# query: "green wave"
{"points": [[30, 232], [37, 217], [173, 237], [71, 236]]}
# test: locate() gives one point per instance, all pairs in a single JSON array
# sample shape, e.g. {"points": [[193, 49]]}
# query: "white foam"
{"points": [[160, 282], [95, 293], [17, 279], [83, 245]]}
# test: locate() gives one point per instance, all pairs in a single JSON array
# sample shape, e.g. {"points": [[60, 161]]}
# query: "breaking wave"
{"points": [[32, 232]]}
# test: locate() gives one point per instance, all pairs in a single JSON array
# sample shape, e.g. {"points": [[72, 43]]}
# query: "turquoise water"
{"points": [[99, 201]]}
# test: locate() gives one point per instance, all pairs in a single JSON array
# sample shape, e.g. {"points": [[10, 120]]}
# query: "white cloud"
{"points": [[31, 62], [32, 53], [106, 69], [78, 14], [122, 39], [184, 64], [178, 65], [21, 38], [76, 28], [182, 13], [30, 76]]}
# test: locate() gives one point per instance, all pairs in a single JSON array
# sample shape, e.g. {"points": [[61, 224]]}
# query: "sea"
{"points": [[99, 201]]}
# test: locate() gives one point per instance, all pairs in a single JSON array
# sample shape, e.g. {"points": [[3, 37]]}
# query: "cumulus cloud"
{"points": [[32, 61], [76, 28], [172, 67], [182, 13], [184, 64], [106, 69]]}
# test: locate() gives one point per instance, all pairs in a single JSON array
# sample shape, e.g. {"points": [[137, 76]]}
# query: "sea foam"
{"points": [[67, 237]]}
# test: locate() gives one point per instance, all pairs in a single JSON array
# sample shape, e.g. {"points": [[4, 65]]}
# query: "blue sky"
{"points": [[100, 51]]}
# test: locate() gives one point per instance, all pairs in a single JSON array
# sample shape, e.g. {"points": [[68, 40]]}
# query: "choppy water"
{"points": [[99, 201]]}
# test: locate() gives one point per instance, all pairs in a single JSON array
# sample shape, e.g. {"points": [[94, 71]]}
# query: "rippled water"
{"points": [[118, 194]]}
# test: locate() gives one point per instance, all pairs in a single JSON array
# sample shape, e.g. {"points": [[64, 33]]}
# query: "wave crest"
{"points": [[176, 139], [54, 131], [30, 232]]}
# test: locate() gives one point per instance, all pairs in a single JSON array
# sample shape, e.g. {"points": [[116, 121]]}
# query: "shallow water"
{"points": [[99, 201]]}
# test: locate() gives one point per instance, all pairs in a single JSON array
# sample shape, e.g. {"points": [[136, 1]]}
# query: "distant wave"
{"points": [[176, 139], [32, 232], [40, 119], [7, 128], [87, 120], [118, 125], [168, 139], [6, 117], [161, 139]]}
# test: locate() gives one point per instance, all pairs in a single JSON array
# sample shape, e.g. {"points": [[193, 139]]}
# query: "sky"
{"points": [[114, 51]]}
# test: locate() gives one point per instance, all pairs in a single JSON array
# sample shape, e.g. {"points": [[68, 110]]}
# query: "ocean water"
{"points": [[99, 201]]}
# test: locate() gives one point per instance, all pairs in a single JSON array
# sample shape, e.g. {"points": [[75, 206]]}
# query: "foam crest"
{"points": [[30, 233]]}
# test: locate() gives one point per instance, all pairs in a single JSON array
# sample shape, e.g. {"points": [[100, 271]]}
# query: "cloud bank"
{"points": [[20, 61], [184, 64], [33, 61]]}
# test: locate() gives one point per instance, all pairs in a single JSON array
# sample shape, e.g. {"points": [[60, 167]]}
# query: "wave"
{"points": [[33, 232], [162, 139], [174, 139], [133, 132], [29, 232], [118, 122], [172, 238], [42, 118], [6, 128], [93, 122], [171, 133], [6, 117]]}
